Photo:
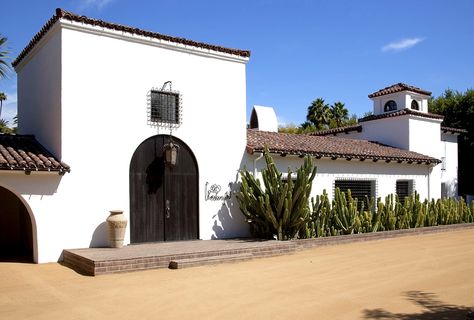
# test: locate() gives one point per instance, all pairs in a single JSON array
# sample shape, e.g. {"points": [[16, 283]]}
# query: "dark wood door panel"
{"points": [[155, 187]]}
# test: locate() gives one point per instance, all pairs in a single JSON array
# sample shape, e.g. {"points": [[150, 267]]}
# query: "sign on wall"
{"points": [[213, 192]]}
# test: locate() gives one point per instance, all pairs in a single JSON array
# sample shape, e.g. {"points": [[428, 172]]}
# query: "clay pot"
{"points": [[117, 224]]}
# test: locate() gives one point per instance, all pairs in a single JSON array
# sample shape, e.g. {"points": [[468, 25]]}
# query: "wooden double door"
{"points": [[163, 199]]}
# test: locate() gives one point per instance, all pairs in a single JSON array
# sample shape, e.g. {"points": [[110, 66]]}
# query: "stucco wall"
{"points": [[39, 92], [391, 131], [449, 176], [425, 138], [385, 174], [104, 80]]}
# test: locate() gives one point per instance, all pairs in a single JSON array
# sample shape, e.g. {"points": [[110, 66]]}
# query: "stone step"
{"points": [[201, 261]]}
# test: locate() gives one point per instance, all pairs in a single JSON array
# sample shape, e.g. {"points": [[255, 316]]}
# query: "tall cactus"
{"points": [[281, 208], [346, 214], [322, 215]]}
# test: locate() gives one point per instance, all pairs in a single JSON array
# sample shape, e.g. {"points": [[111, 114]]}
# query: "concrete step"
{"points": [[201, 261]]}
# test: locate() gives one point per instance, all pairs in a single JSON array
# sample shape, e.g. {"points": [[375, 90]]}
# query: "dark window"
{"points": [[444, 190], [415, 105], [390, 106], [404, 189], [164, 107], [359, 189]]}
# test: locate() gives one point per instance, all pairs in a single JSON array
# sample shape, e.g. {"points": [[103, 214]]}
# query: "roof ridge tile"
{"points": [[63, 14]]}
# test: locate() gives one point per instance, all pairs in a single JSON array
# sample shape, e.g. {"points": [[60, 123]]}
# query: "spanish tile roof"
{"points": [[453, 130], [25, 153], [334, 131], [330, 147], [397, 88], [401, 113], [62, 14]]}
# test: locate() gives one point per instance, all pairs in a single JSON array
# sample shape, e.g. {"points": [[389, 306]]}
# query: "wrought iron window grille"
{"points": [[164, 108]]}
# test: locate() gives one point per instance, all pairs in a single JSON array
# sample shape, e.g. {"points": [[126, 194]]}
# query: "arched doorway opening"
{"points": [[164, 203], [17, 229]]}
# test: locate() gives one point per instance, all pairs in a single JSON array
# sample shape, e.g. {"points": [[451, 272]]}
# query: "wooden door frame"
{"points": [[184, 145]]}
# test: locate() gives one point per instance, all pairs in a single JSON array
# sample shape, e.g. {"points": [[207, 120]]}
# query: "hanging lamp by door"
{"points": [[170, 150], [164, 110]]}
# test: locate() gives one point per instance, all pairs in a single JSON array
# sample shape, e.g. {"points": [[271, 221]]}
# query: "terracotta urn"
{"points": [[117, 224]]}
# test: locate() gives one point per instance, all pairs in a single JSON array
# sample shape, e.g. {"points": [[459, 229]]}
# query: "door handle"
{"points": [[167, 209]]}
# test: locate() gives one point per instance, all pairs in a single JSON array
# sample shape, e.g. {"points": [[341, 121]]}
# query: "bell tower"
{"points": [[398, 97]]}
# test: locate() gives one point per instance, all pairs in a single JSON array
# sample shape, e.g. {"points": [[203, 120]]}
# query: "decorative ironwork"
{"points": [[164, 110], [164, 107]]}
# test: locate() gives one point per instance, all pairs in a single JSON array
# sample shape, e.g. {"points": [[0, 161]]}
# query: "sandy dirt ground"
{"points": [[415, 277]]}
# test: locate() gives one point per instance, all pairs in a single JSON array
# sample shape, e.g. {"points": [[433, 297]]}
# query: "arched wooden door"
{"points": [[16, 230], [163, 199]]}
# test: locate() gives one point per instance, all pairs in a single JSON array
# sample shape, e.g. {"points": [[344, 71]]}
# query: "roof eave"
{"points": [[70, 19], [335, 156]]}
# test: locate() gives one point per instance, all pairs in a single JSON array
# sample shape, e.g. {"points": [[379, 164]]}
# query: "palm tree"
{"points": [[4, 126], [319, 114], [4, 66], [3, 97], [339, 114]]}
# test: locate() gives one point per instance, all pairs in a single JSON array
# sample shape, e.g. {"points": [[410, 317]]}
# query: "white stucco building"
{"points": [[96, 102]]}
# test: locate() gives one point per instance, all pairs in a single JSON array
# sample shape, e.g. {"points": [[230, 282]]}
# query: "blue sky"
{"points": [[301, 50]]}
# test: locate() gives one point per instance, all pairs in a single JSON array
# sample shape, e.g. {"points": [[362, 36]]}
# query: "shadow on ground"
{"points": [[435, 309]]}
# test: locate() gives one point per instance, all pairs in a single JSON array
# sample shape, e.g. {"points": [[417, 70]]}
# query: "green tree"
{"points": [[458, 111], [319, 114], [339, 114], [3, 97], [4, 66], [4, 127]]}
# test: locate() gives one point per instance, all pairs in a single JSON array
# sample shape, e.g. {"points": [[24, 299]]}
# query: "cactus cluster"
{"points": [[281, 207], [344, 215]]}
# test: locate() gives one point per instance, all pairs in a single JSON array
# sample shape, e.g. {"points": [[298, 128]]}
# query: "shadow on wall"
{"points": [[433, 309], [33, 184], [232, 223], [100, 237]]}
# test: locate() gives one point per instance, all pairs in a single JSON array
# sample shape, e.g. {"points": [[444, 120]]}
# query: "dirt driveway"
{"points": [[416, 277]]}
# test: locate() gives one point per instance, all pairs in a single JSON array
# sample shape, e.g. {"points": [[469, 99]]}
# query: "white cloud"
{"points": [[402, 44], [96, 4]]}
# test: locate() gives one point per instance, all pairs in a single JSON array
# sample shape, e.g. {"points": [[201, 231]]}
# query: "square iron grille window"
{"points": [[404, 188], [359, 189], [164, 107]]}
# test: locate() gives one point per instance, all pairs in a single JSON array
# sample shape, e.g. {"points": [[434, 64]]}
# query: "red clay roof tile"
{"points": [[330, 147], [25, 153], [334, 131], [397, 88], [402, 113], [62, 14]]}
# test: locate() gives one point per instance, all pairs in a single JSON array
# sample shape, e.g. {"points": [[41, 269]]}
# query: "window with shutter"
{"points": [[404, 188]]}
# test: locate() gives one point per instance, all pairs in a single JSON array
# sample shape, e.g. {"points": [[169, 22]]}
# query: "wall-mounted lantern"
{"points": [[170, 152]]}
